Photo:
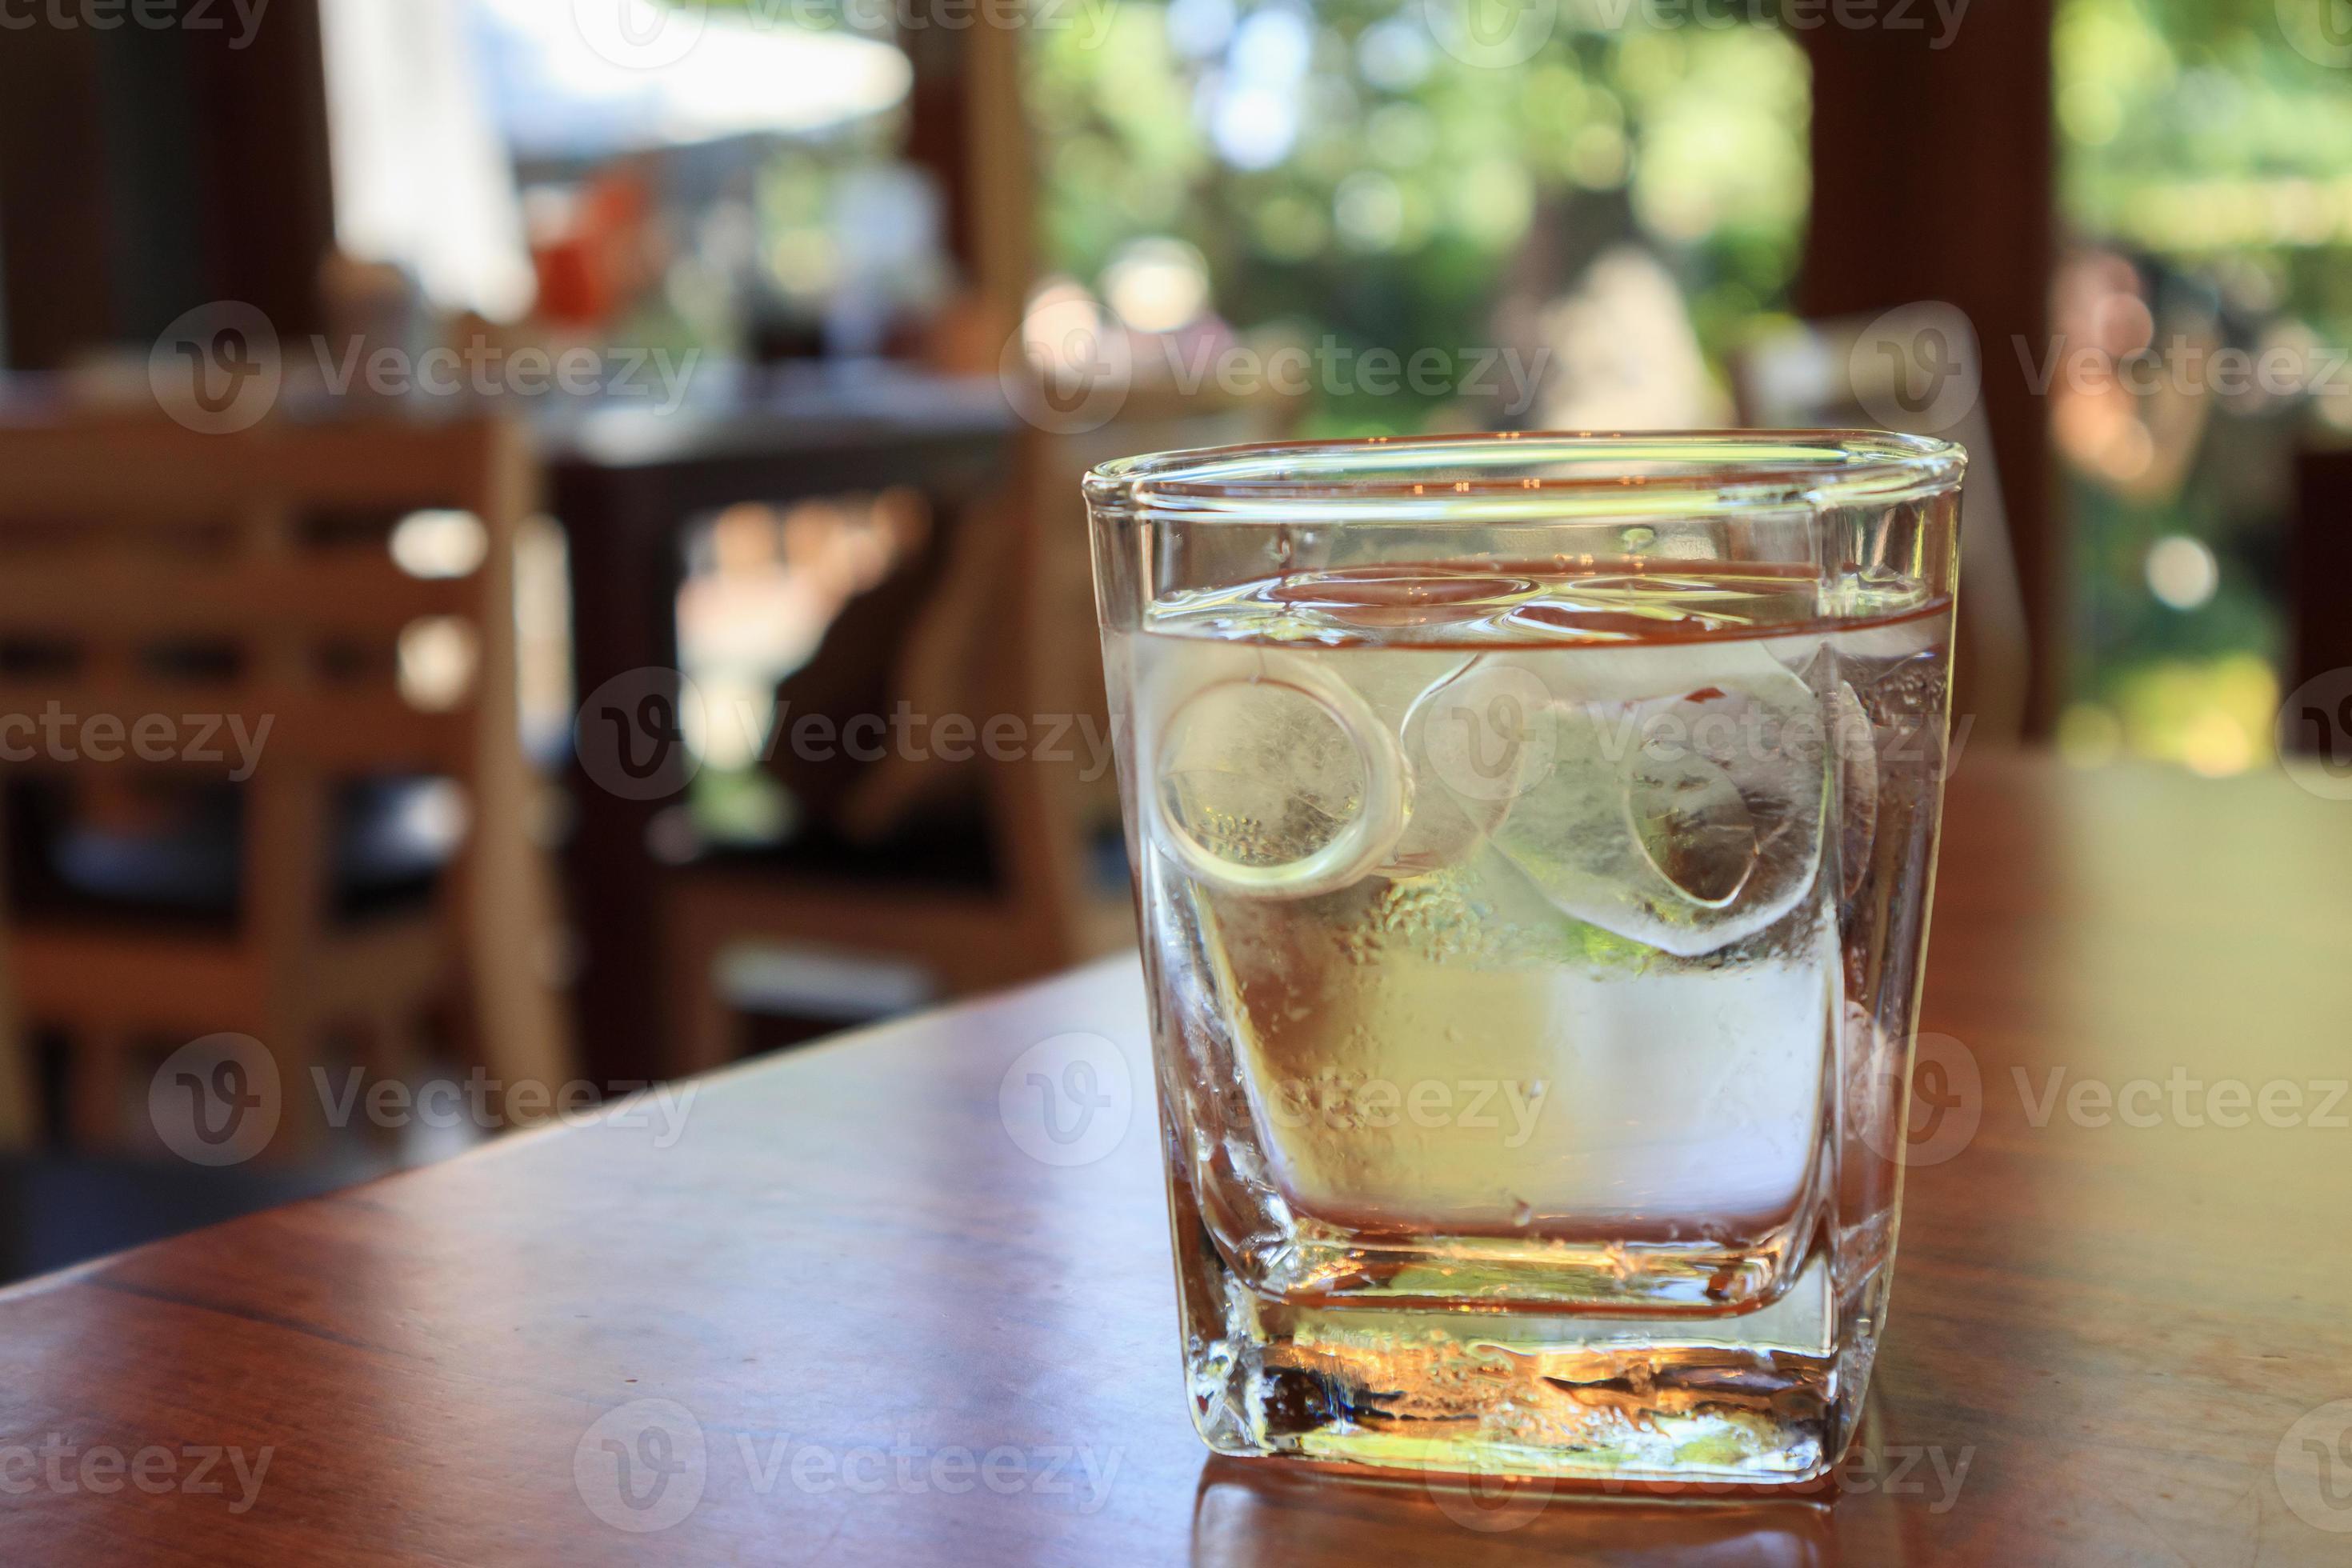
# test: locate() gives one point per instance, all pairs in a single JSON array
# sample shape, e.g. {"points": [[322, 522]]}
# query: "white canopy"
{"points": [[584, 78]]}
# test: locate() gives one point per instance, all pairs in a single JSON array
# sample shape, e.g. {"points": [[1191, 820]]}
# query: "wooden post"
{"points": [[967, 127], [2319, 553], [57, 294], [143, 174], [1933, 180]]}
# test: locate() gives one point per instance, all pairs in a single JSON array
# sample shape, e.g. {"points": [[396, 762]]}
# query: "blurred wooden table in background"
{"points": [[625, 479], [835, 1312]]}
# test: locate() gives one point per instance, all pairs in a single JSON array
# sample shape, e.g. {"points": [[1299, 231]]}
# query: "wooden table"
{"points": [[849, 1320]]}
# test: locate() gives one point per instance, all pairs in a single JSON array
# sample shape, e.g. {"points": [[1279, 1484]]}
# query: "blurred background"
{"points": [[540, 549]]}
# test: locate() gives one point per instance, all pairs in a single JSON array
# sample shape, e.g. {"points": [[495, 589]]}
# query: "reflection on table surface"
{"points": [[1880, 1509]]}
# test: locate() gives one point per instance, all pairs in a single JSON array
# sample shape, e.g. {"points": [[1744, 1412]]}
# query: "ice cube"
{"points": [[1266, 774], [1683, 802], [1475, 740], [1693, 828]]}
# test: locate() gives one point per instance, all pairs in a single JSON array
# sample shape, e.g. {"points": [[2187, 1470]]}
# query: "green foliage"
{"points": [[1415, 178], [2197, 137]]}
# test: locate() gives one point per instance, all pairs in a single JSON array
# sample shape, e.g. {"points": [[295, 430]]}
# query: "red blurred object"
{"points": [[595, 250]]}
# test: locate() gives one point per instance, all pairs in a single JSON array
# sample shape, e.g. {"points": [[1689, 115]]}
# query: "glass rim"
{"points": [[1599, 474]]}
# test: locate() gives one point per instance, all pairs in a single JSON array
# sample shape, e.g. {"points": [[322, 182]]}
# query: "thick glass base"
{"points": [[1766, 1396]]}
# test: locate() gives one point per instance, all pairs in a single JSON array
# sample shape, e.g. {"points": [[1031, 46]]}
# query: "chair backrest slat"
{"points": [[147, 569]]}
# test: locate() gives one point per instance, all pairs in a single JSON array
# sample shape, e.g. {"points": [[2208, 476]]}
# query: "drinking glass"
{"points": [[1533, 838]]}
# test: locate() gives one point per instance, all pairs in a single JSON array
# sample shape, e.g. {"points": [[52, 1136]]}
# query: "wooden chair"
{"points": [[147, 570], [1010, 629]]}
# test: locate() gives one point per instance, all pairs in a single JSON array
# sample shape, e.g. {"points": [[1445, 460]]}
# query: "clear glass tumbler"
{"points": [[1533, 838]]}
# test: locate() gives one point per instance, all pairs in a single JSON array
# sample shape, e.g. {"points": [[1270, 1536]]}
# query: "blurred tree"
{"points": [[2206, 152], [1343, 173]]}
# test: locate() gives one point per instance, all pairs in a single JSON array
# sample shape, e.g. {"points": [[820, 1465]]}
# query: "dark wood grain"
{"points": [[2114, 1328], [1917, 194]]}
